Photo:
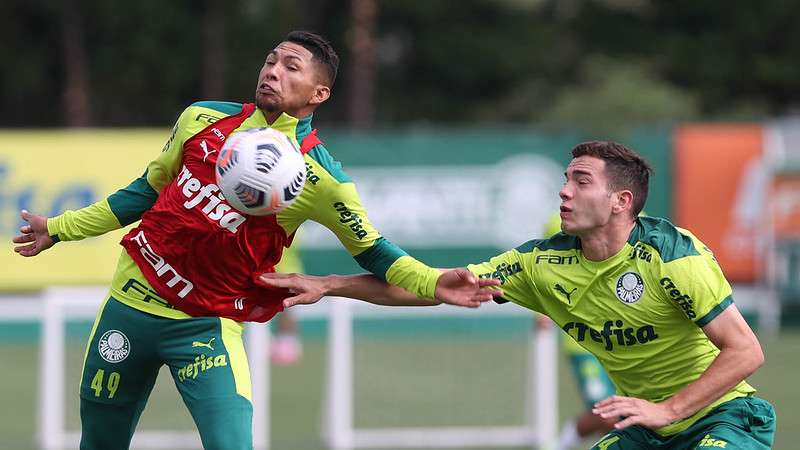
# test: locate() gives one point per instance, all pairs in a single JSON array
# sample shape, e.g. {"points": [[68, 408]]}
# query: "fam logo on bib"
{"points": [[630, 287], [114, 346]]}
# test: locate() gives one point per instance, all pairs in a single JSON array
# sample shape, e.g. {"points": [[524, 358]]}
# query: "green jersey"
{"points": [[572, 348], [640, 311]]}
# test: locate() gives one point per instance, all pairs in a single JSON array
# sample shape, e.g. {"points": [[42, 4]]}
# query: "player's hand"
{"points": [[461, 287], [34, 235], [636, 412], [307, 289]]}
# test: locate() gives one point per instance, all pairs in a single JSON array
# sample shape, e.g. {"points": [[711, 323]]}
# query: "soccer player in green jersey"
{"points": [[647, 298], [592, 380], [146, 323]]}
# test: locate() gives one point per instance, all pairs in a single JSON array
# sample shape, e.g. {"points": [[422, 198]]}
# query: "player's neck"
{"points": [[605, 242], [272, 116]]}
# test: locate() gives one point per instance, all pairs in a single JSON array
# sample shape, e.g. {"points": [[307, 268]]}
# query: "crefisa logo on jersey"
{"points": [[630, 287], [114, 346]]}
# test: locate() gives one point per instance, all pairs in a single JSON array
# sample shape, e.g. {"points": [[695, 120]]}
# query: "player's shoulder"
{"points": [[218, 109], [199, 115], [317, 155], [557, 242], [320, 155], [669, 241]]}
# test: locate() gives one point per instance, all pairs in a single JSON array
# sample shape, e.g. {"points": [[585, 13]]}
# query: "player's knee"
{"points": [[101, 440], [225, 425], [228, 438], [107, 427]]}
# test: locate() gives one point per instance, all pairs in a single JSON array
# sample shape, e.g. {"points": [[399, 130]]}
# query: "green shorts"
{"points": [[741, 423], [205, 356], [592, 379]]}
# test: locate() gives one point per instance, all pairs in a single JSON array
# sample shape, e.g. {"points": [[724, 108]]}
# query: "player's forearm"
{"points": [[348, 220], [413, 276], [93, 220], [373, 290], [389, 262], [120, 209], [731, 366]]}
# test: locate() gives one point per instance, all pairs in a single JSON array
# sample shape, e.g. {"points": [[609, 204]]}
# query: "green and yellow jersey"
{"points": [[329, 197], [640, 311], [570, 346], [290, 262]]}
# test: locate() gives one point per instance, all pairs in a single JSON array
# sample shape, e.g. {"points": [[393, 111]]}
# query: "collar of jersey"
{"points": [[611, 261], [303, 127], [636, 233], [285, 123], [620, 255]]}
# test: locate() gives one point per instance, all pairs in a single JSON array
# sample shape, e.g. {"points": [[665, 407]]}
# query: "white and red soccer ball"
{"points": [[260, 171]]}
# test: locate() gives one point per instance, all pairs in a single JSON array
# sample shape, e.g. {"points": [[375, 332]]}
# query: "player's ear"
{"points": [[623, 201], [321, 93]]}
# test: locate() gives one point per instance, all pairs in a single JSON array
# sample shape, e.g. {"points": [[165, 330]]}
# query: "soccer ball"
{"points": [[260, 171]]}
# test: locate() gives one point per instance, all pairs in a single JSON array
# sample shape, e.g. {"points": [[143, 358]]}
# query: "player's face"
{"points": [[289, 81], [586, 202]]}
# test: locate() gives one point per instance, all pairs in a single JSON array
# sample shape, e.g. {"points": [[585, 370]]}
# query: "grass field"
{"points": [[460, 378]]}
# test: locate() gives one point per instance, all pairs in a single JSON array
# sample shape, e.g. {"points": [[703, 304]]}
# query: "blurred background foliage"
{"points": [[592, 64]]}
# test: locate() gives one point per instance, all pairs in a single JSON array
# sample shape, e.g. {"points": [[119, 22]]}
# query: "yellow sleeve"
{"points": [[164, 168], [552, 226], [515, 280], [126, 205], [330, 198], [93, 220], [290, 260], [696, 285]]}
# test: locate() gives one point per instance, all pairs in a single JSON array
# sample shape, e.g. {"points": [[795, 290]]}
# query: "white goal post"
{"points": [[538, 431], [60, 304]]}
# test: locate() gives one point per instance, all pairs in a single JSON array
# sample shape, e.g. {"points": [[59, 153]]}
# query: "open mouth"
{"points": [[266, 90]]}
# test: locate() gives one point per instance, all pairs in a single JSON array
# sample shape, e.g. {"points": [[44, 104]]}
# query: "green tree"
{"points": [[613, 97]]}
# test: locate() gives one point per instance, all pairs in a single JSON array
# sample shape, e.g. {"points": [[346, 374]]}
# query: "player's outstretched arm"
{"points": [[739, 356], [460, 287], [457, 287], [34, 235]]}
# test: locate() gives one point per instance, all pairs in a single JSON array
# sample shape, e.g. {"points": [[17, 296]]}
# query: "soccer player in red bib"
{"points": [[185, 280]]}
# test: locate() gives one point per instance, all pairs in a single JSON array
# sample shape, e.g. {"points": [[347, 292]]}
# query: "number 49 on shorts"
{"points": [[111, 385]]}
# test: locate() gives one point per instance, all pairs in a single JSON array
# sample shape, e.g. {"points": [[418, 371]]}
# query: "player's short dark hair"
{"points": [[626, 170], [320, 48]]}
